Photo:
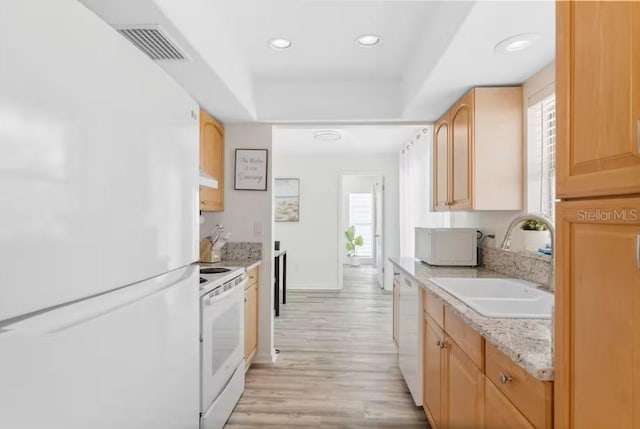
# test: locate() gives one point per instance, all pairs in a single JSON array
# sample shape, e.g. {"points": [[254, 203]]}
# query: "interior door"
{"points": [[378, 201]]}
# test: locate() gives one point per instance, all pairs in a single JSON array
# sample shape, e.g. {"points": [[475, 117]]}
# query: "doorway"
{"points": [[361, 207]]}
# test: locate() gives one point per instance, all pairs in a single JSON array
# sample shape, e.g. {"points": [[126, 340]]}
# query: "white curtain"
{"points": [[416, 191]]}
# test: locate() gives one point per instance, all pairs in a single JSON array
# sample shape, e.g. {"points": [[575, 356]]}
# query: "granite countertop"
{"points": [[526, 341], [247, 264]]}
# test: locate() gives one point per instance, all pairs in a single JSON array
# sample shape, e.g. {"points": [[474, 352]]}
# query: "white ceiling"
{"points": [[431, 53], [355, 138], [323, 35]]}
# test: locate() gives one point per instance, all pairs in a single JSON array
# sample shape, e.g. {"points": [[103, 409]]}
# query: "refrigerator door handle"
{"points": [[89, 309]]}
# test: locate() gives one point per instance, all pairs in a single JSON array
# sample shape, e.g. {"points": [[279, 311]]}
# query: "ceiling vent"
{"points": [[153, 41]]}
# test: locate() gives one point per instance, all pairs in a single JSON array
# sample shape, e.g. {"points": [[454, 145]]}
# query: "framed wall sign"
{"points": [[287, 200], [251, 170]]}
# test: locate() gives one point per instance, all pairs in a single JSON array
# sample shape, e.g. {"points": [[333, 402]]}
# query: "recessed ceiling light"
{"points": [[279, 44], [327, 135], [367, 40], [516, 43]]}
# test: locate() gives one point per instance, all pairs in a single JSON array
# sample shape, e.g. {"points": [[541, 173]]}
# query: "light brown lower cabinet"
{"points": [[432, 372], [499, 412], [251, 318], [459, 393], [465, 382], [453, 393]]}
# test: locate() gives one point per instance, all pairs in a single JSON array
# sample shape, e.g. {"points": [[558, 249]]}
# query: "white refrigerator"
{"points": [[98, 228]]}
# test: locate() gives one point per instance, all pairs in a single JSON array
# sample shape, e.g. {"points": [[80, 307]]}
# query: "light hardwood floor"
{"points": [[337, 366]]}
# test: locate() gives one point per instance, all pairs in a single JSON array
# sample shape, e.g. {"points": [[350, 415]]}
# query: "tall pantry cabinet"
{"points": [[597, 324]]}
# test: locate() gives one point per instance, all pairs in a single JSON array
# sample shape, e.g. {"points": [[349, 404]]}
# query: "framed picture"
{"points": [[251, 170], [287, 200]]}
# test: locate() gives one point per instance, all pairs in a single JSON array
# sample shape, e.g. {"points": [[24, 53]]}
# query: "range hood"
{"points": [[207, 181]]}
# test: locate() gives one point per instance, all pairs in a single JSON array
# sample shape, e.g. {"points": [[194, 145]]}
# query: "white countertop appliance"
{"points": [[98, 228], [447, 246], [221, 343]]}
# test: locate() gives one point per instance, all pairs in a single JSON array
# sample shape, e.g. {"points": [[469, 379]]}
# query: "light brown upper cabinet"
{"points": [[212, 161], [478, 152], [598, 98], [441, 165]]}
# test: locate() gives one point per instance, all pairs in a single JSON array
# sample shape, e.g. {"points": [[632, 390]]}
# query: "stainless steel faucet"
{"points": [[506, 243]]}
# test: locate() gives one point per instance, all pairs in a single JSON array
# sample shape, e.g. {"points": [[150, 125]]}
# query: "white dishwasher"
{"points": [[410, 332]]}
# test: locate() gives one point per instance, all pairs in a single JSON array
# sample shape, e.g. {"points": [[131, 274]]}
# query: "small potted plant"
{"points": [[353, 242], [536, 235]]}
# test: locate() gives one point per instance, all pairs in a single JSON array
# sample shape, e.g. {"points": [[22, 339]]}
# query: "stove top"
{"points": [[214, 277], [214, 270]]}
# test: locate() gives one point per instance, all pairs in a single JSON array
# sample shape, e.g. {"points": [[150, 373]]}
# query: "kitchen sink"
{"points": [[501, 298]]}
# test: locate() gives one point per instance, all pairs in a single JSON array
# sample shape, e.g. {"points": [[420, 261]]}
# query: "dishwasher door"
{"points": [[410, 354]]}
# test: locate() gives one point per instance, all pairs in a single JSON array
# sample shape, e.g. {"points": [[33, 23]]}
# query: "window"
{"points": [[361, 216], [541, 156]]}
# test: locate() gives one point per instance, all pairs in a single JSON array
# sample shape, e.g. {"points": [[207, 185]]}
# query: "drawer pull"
{"points": [[504, 378]]}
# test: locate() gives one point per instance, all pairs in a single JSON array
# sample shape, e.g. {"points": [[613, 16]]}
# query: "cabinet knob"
{"points": [[441, 344], [504, 378], [203, 202]]}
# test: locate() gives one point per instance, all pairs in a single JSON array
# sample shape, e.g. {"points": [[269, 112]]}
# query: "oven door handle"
{"points": [[210, 300]]}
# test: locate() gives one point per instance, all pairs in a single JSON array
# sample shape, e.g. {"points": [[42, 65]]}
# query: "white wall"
{"points": [[243, 211], [354, 184], [498, 222], [313, 255]]}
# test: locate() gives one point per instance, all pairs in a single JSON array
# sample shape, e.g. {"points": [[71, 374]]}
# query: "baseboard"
{"points": [[265, 358]]}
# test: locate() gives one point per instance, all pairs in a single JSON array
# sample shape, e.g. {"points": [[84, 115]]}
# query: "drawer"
{"points": [[465, 337], [252, 276], [534, 398], [434, 307]]}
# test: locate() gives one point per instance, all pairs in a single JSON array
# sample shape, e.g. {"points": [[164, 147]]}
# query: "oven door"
{"points": [[222, 341]]}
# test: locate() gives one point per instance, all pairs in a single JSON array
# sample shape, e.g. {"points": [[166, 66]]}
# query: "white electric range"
{"points": [[221, 343]]}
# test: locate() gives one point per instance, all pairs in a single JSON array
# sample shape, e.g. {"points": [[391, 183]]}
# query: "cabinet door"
{"points": [[212, 161], [598, 98], [432, 373], [250, 322], [461, 120], [597, 330], [396, 312], [441, 170], [500, 413], [465, 389]]}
